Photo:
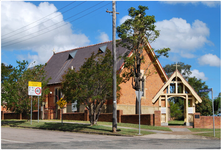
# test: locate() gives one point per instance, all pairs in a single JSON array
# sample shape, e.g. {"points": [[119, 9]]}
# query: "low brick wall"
{"points": [[73, 116], [107, 117], [206, 121], [9, 115], [146, 119]]}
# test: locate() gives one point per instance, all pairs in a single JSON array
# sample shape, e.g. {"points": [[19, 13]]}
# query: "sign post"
{"points": [[61, 103], [34, 89], [207, 90], [138, 94]]}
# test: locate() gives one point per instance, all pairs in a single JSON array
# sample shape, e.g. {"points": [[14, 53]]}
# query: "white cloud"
{"points": [[181, 37], [198, 75], [103, 37], [122, 20], [209, 59], [187, 55], [207, 3], [19, 14]]}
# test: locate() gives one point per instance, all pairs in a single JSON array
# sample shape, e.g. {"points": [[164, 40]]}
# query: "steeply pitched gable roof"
{"points": [[61, 61], [178, 74]]}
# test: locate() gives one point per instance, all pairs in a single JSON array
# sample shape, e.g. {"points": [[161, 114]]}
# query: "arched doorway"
{"points": [[177, 86]]}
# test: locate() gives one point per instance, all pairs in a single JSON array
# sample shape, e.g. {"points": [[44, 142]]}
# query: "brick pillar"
{"points": [[86, 115], [157, 118], [119, 113], [152, 119], [196, 120], [2, 115]]}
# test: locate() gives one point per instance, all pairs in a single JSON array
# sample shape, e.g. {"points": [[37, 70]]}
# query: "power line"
{"points": [[39, 19], [11, 41], [41, 22], [57, 27]]}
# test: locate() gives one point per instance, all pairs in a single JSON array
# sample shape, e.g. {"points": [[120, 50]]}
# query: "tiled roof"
{"points": [[61, 61]]}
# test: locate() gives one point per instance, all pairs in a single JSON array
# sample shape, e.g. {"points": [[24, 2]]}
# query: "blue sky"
{"points": [[190, 29]]}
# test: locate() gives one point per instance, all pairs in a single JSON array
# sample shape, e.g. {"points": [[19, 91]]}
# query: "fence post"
{"points": [[119, 113], [86, 115], [2, 112]]}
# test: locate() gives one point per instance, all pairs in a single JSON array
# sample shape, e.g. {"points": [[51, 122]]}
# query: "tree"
{"points": [[5, 71], [91, 84], [135, 34], [175, 111], [15, 93], [217, 104], [184, 69]]}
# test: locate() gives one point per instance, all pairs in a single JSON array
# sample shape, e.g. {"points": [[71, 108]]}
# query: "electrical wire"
{"points": [[39, 19], [54, 24], [57, 27], [43, 22]]}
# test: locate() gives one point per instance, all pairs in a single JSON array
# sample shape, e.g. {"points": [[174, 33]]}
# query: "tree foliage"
{"points": [[217, 104], [91, 84], [15, 88], [135, 33], [176, 112], [5, 71], [184, 69]]}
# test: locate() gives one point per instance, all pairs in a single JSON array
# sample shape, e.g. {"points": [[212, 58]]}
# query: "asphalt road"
{"points": [[18, 138]]}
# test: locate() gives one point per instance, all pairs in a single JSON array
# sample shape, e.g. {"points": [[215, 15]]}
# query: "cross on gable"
{"points": [[176, 70], [176, 66]]}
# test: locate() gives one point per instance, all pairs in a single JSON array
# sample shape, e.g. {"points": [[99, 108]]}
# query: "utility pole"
{"points": [[213, 112], [114, 120]]}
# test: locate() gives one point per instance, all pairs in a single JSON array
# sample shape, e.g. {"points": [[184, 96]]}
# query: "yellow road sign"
{"points": [[34, 84], [61, 103], [34, 88]]}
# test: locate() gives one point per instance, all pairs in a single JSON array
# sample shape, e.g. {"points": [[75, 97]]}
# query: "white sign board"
{"points": [[163, 110], [74, 106], [34, 88], [141, 93], [190, 110]]}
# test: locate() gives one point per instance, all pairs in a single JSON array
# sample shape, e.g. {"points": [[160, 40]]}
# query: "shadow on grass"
{"points": [[72, 127], [13, 123]]}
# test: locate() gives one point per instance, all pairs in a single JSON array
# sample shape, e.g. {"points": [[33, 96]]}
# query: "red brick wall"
{"points": [[157, 118], [107, 117], [206, 122], [8, 115], [73, 116], [145, 119], [153, 83]]}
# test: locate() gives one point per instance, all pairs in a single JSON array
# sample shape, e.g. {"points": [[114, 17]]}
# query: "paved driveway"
{"points": [[13, 138]]}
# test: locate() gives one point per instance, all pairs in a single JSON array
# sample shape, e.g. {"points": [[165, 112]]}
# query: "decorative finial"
{"points": [[53, 51]]}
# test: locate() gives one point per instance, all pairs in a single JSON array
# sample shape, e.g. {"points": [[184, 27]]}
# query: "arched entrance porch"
{"points": [[177, 86]]}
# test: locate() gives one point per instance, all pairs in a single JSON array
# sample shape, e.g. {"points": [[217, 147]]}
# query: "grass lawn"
{"points": [[176, 122], [208, 132], [122, 125], [96, 129]]}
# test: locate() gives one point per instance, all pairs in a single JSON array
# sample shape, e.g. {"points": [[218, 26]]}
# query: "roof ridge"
{"points": [[83, 47]]}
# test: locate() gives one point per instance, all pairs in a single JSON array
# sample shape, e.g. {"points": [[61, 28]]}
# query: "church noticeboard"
{"points": [[163, 110], [190, 110]]}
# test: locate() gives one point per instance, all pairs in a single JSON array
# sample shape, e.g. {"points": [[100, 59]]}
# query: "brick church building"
{"points": [[74, 58]]}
